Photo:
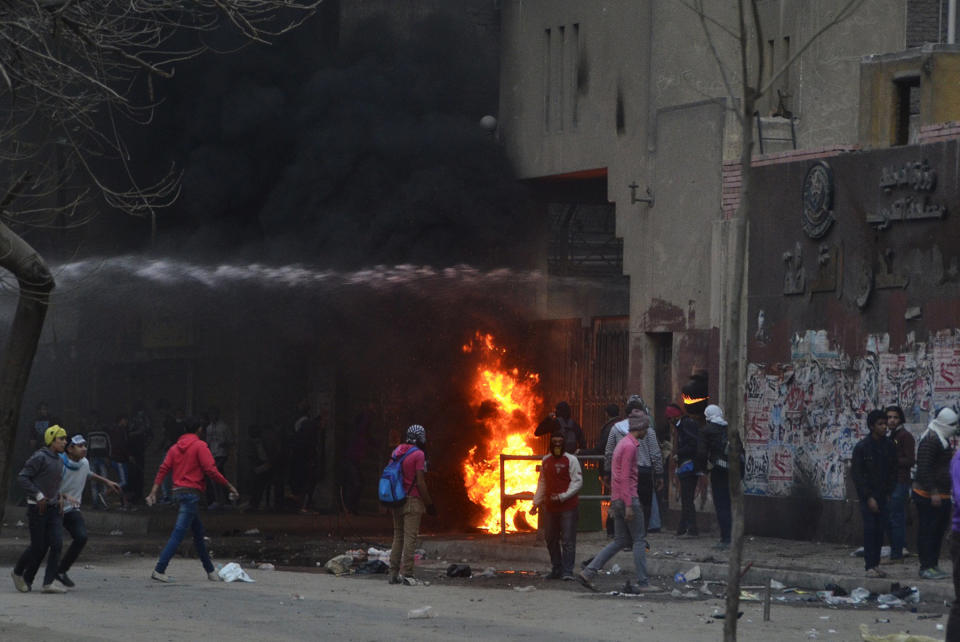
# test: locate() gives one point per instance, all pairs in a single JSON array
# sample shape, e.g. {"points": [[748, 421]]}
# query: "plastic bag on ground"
{"points": [[866, 636], [692, 574], [890, 600], [487, 572], [421, 614], [859, 594], [375, 553], [233, 573], [777, 586]]}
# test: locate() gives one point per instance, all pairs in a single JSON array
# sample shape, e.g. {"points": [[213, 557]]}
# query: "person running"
{"points": [[76, 471], [558, 495], [406, 518], [627, 512], [189, 461], [40, 479]]}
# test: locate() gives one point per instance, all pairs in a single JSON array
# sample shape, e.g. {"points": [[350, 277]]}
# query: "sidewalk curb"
{"points": [[537, 556]]}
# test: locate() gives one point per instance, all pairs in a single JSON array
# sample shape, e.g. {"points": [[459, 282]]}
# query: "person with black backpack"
{"points": [[407, 503]]}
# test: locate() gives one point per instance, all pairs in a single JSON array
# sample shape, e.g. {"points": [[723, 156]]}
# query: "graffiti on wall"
{"points": [[803, 418]]}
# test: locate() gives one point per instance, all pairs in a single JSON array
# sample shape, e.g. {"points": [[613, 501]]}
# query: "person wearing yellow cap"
{"points": [[40, 479]]}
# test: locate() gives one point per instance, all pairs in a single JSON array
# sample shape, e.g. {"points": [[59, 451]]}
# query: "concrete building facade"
{"points": [[644, 95]]}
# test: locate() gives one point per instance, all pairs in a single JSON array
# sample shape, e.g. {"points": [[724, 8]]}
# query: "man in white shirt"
{"points": [[76, 471]]}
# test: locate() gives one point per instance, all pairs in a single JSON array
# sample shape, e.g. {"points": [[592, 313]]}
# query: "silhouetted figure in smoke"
{"points": [[265, 462], [120, 456], [305, 442], [139, 436], [220, 440], [41, 422], [173, 426], [355, 457], [98, 453], [562, 421]]}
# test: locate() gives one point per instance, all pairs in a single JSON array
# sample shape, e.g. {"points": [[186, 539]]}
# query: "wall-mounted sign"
{"points": [[817, 215], [918, 181]]}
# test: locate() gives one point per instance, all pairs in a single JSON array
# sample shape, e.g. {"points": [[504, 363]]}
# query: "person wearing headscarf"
{"points": [[931, 490], [714, 454]]}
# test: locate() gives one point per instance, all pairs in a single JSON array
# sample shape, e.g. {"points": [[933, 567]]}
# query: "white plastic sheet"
{"points": [[233, 573]]}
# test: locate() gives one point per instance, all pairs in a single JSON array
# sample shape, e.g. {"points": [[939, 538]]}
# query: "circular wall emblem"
{"points": [[817, 216]]}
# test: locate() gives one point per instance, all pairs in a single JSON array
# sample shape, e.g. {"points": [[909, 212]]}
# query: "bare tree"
{"points": [[71, 73], [745, 86]]}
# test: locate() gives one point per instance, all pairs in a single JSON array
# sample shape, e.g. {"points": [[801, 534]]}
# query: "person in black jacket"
{"points": [[874, 471], [688, 471], [931, 491]]}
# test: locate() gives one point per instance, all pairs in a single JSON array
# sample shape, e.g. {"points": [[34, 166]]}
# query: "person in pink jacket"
{"points": [[189, 462], [627, 511]]}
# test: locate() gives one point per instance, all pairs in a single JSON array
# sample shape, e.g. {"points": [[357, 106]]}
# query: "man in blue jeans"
{"points": [[874, 472], [189, 462], [905, 445], [627, 510], [558, 495]]}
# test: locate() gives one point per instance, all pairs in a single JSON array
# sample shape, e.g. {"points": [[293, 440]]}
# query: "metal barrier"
{"points": [[504, 498]]}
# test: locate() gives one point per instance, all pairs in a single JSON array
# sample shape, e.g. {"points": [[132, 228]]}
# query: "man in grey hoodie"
{"points": [[649, 456], [40, 479]]}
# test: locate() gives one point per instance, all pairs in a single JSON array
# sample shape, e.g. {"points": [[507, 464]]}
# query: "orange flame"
{"points": [[507, 404], [690, 400]]}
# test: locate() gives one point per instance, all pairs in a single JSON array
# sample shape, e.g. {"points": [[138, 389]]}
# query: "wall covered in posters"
{"points": [[804, 417]]}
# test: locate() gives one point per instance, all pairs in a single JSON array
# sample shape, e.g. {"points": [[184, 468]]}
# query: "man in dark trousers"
{"points": [[931, 490], [696, 397], [905, 444], [557, 499], [874, 471], [40, 479], [189, 462]]}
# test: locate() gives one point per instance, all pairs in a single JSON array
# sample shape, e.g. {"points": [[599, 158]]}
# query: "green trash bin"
{"points": [[589, 518]]}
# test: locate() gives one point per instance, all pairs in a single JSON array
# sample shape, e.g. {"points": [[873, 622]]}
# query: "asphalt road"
{"points": [[116, 600]]}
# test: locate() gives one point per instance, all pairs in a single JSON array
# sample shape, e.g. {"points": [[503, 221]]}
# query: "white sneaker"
{"points": [[213, 576], [54, 587], [161, 577], [19, 582]]}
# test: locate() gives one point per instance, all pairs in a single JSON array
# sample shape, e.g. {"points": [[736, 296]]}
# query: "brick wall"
{"points": [[926, 22], [733, 176], [939, 132]]}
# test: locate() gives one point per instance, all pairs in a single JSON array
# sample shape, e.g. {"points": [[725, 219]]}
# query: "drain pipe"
{"points": [[951, 22]]}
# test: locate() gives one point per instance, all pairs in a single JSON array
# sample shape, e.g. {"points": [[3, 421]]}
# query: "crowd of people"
{"points": [[633, 472]]}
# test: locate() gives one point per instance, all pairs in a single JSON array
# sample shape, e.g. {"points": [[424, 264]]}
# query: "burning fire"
{"points": [[507, 404], [690, 400]]}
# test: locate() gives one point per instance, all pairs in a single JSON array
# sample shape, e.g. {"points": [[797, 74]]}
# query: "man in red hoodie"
{"points": [[190, 462]]}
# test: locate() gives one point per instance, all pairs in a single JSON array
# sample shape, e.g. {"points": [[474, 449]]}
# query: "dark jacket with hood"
{"points": [[42, 473]]}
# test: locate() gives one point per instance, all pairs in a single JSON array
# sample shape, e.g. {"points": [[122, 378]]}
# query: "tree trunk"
{"points": [[35, 282], [735, 355]]}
